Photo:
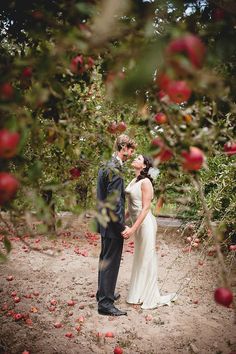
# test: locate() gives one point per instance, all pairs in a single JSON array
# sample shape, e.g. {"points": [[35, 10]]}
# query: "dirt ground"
{"points": [[53, 293]]}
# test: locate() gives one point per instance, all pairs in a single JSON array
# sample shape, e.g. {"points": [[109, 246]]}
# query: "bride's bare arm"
{"points": [[147, 193], [126, 215]]}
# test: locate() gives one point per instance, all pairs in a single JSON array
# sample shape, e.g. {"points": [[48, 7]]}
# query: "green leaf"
{"points": [[93, 225], [7, 244], [3, 258], [35, 171], [84, 8], [59, 223], [42, 228]]}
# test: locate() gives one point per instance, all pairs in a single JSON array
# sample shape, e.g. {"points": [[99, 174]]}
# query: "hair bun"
{"points": [[145, 171]]}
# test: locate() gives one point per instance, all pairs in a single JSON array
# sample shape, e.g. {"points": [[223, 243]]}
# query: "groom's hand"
{"points": [[127, 232]]}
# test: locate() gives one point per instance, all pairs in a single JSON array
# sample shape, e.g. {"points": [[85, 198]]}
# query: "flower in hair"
{"points": [[153, 172]]}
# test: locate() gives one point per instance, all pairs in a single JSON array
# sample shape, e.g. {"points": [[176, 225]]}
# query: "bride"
{"points": [[143, 287]]}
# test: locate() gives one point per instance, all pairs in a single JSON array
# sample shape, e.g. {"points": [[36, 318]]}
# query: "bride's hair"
{"points": [[144, 173]]}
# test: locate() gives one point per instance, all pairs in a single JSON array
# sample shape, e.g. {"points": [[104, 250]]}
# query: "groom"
{"points": [[110, 181]]}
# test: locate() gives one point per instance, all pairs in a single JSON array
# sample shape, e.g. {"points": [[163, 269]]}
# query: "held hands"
{"points": [[128, 231]]}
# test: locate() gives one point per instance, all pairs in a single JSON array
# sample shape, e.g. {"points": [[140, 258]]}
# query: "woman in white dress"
{"points": [[143, 287]]}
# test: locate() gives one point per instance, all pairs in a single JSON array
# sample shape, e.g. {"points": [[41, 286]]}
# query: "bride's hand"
{"points": [[127, 232]]}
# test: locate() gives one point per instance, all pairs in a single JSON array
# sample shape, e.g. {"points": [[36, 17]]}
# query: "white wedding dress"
{"points": [[143, 287]]}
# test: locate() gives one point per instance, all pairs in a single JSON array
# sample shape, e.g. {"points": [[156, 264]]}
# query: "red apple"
{"points": [[190, 46], [109, 335], [193, 159], [8, 187], [223, 296], [8, 143], [10, 277], [77, 64], [230, 148], [163, 81], [160, 118], [232, 247], [121, 127], [16, 299], [53, 302], [27, 72], [17, 316], [148, 318], [6, 91], [178, 91], [164, 154], [58, 325], [118, 350], [25, 352], [51, 308], [112, 128], [71, 303], [69, 335], [81, 319], [75, 173]]}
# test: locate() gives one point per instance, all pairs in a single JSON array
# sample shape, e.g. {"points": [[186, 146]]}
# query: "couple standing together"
{"points": [[143, 288]]}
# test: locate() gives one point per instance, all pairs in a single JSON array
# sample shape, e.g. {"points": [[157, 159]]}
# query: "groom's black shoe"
{"points": [[111, 311]]}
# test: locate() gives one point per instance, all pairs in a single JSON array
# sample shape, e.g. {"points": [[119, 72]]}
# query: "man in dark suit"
{"points": [[110, 184]]}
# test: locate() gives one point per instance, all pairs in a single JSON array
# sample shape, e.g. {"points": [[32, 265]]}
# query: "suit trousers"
{"points": [[109, 264]]}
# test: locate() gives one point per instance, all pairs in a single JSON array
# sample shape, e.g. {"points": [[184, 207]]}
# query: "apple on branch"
{"points": [[230, 148], [6, 91], [190, 47], [193, 159], [178, 91], [8, 187], [161, 118], [9, 142], [163, 153], [121, 127]]}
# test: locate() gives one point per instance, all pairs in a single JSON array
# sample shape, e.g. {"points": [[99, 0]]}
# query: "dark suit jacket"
{"points": [[110, 180]]}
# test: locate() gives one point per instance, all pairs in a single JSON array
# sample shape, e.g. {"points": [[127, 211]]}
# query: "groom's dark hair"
{"points": [[124, 140]]}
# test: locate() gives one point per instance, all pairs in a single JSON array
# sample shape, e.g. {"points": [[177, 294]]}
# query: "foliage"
{"points": [[70, 68]]}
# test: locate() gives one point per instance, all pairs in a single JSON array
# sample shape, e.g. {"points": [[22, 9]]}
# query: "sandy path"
{"points": [[194, 324]]}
